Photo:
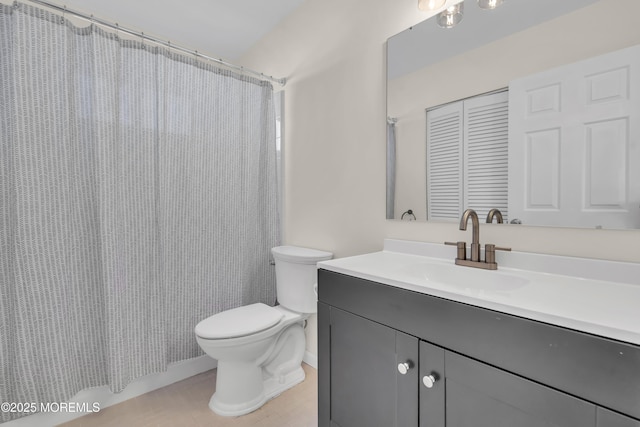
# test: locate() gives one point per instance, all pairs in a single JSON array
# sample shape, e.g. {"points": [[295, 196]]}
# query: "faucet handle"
{"points": [[462, 249], [490, 252]]}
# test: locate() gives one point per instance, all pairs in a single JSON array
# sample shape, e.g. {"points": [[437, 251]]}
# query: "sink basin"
{"points": [[465, 277]]}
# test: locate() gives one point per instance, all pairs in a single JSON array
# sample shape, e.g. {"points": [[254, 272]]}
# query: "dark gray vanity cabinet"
{"points": [[391, 398], [391, 357]]}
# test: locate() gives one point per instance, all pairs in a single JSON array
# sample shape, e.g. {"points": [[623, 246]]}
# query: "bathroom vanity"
{"points": [[407, 338]]}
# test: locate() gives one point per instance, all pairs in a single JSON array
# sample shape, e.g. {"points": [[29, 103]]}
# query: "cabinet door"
{"points": [[482, 396], [367, 387], [432, 385]]}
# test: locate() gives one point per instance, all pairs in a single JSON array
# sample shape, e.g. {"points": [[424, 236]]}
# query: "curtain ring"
{"points": [[16, 5], [64, 12], [142, 41]]}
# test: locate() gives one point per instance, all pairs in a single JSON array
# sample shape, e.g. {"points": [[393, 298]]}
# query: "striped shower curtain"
{"points": [[391, 168], [137, 197]]}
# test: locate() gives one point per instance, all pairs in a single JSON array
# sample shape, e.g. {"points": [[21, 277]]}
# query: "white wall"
{"points": [[333, 53]]}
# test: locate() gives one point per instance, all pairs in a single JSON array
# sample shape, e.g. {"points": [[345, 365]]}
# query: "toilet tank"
{"points": [[296, 277]]}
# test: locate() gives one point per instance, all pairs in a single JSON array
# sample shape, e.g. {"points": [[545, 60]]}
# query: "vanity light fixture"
{"points": [[430, 4], [451, 16], [489, 4]]}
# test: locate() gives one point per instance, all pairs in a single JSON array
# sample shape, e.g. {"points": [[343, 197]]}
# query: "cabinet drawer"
{"points": [[596, 369]]}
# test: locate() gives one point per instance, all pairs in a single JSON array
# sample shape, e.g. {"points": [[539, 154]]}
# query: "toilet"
{"points": [[259, 348]]}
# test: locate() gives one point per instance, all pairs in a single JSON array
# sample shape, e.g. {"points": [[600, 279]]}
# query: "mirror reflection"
{"points": [[531, 108]]}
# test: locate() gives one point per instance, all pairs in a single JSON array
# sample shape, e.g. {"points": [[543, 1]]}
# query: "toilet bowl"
{"points": [[259, 348]]}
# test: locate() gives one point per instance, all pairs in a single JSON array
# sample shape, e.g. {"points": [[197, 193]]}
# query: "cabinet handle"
{"points": [[403, 368], [429, 380]]}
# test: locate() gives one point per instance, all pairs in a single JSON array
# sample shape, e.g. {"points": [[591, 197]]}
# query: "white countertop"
{"points": [[570, 292]]}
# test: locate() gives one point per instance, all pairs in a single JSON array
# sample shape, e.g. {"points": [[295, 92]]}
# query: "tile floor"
{"points": [[185, 403]]}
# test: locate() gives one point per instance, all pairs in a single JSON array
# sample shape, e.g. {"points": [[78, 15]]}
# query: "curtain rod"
{"points": [[281, 81]]}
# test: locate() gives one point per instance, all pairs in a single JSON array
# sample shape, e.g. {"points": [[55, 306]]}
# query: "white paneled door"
{"points": [[574, 148]]}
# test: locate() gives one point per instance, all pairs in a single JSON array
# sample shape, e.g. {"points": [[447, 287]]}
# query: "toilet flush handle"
{"points": [[315, 289]]}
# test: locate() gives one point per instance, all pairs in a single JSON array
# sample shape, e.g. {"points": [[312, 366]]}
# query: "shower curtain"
{"points": [[137, 197], [391, 168]]}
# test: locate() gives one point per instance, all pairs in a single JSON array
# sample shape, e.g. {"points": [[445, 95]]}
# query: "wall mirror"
{"points": [[571, 79]]}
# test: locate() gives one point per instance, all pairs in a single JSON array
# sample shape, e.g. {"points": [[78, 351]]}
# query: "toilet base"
{"points": [[242, 386], [272, 387]]}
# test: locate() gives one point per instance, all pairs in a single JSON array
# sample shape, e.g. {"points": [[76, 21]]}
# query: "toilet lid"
{"points": [[239, 322]]}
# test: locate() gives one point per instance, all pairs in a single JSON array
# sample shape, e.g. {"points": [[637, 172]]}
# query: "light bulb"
{"points": [[430, 4], [489, 4], [451, 16]]}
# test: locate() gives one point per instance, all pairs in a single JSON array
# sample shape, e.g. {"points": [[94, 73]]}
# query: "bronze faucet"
{"points": [[494, 213], [475, 232], [489, 262]]}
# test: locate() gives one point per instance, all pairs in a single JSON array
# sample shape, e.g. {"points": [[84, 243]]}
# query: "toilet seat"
{"points": [[239, 322]]}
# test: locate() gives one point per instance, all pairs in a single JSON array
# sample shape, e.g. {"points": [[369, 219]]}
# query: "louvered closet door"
{"points": [[444, 162], [486, 132], [467, 157]]}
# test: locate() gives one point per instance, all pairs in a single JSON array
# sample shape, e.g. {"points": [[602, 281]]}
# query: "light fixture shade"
{"points": [[451, 16], [430, 4], [489, 4]]}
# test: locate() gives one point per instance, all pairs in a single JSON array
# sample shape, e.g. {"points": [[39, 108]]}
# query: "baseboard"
{"points": [[310, 359], [104, 398]]}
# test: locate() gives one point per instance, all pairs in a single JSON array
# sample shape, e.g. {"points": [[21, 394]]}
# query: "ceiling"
{"points": [[219, 28]]}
